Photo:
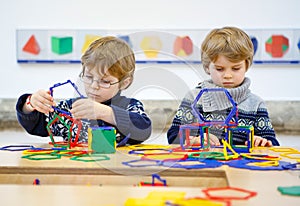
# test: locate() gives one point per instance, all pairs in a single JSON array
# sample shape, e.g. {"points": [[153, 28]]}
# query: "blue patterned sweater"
{"points": [[252, 111], [129, 115]]}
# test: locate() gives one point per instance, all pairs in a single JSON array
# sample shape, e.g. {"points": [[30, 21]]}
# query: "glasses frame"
{"points": [[81, 76]]}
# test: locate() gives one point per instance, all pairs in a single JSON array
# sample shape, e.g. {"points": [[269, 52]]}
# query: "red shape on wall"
{"points": [[32, 46], [183, 46], [277, 45]]}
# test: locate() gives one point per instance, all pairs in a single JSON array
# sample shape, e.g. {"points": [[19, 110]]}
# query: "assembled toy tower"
{"points": [[230, 124]]}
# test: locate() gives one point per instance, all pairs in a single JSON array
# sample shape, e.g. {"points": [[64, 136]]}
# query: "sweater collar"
{"points": [[113, 99], [212, 101]]}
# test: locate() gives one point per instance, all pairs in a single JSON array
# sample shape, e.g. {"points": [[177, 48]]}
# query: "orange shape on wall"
{"points": [[183, 46], [32, 46]]}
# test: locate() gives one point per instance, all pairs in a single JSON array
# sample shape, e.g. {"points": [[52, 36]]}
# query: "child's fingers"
{"points": [[42, 101], [43, 97]]}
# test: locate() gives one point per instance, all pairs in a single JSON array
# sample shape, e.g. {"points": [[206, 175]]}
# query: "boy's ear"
{"points": [[125, 83]]}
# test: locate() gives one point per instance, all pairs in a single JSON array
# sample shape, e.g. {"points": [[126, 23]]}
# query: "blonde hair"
{"points": [[110, 54], [231, 42]]}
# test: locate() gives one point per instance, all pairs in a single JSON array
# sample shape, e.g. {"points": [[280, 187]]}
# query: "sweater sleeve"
{"points": [[133, 120], [35, 122], [184, 115], [263, 126]]}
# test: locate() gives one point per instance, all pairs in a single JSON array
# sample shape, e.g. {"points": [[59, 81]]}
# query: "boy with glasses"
{"points": [[108, 67]]}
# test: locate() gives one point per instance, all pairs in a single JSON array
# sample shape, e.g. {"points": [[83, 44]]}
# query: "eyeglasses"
{"points": [[101, 83]]}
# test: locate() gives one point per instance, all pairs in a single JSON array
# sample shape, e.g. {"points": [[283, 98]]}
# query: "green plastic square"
{"points": [[104, 140], [61, 45]]}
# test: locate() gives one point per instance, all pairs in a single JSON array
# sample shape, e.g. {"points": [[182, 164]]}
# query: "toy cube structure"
{"points": [[249, 130], [185, 134], [102, 140], [61, 45]]}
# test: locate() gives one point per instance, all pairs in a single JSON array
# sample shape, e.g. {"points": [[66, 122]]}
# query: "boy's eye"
{"points": [[89, 76], [236, 68], [105, 81], [219, 68]]}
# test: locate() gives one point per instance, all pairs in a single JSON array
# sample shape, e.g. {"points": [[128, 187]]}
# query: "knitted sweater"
{"points": [[129, 115], [215, 106]]}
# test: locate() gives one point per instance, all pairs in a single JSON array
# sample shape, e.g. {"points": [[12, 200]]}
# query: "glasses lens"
{"points": [[86, 79], [104, 84]]}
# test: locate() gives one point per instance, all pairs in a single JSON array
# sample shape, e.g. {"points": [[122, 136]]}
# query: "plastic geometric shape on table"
{"points": [[249, 130], [232, 114], [61, 84], [102, 140], [203, 124], [184, 134], [58, 117], [244, 194], [67, 115]]}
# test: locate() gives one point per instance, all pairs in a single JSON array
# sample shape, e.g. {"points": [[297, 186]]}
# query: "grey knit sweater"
{"points": [[215, 106]]}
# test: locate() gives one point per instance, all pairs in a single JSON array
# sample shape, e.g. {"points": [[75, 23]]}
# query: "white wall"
{"points": [[272, 82]]}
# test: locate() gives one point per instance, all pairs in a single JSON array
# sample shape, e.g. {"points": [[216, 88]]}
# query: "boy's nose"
{"points": [[227, 75], [95, 85]]}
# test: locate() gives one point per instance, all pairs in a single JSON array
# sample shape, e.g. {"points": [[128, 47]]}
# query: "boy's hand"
{"points": [[89, 109], [259, 141], [213, 140], [85, 109], [41, 101]]}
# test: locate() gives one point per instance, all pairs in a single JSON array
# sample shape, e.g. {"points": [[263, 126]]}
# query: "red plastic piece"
{"points": [[32, 46], [247, 194]]}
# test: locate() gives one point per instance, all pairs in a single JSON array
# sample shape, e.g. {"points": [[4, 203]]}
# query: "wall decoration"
{"points": [[271, 46]]}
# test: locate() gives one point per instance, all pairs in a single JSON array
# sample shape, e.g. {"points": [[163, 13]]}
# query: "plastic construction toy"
{"points": [[17, 147], [65, 115], [249, 130], [102, 139], [290, 190], [203, 125], [227, 122], [185, 134], [61, 84], [59, 117], [241, 194], [161, 182]]}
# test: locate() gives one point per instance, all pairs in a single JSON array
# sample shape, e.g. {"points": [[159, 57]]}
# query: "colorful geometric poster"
{"points": [[271, 46]]}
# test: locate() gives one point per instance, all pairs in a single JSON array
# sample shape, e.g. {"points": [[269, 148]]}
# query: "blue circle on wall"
{"points": [[255, 44], [298, 44]]}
